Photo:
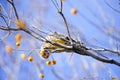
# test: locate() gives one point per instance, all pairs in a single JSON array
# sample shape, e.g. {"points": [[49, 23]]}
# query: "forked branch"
{"points": [[75, 47]]}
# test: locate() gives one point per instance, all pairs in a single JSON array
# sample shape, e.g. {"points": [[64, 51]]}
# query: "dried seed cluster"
{"points": [[18, 39], [41, 75], [18, 43], [23, 56], [9, 49], [20, 24], [30, 59], [74, 11], [49, 63]]}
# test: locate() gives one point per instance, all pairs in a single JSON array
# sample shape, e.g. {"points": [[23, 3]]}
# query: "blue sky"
{"points": [[78, 66]]}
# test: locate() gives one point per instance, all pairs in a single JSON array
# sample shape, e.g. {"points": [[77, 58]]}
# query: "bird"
{"points": [[48, 48]]}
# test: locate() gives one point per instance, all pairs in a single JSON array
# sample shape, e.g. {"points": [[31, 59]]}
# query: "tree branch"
{"points": [[13, 5], [83, 51], [75, 47], [60, 11], [111, 7]]}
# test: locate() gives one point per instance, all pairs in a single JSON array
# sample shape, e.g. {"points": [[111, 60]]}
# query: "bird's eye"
{"points": [[67, 38]]}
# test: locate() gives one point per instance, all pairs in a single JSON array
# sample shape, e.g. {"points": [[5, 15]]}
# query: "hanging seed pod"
{"points": [[30, 59], [54, 62], [23, 56], [20, 24], [9, 49], [48, 63], [18, 43], [41, 75], [74, 11], [18, 37]]}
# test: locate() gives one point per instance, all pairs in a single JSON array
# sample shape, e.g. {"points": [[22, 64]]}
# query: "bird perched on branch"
{"points": [[47, 47]]}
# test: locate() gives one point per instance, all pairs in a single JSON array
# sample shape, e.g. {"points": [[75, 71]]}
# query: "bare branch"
{"points": [[65, 24], [75, 47], [65, 21], [35, 35], [7, 29], [55, 4], [61, 5], [13, 5], [103, 50], [111, 7], [111, 61], [80, 51]]}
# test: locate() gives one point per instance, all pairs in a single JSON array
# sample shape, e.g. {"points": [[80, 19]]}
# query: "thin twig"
{"points": [[13, 5], [61, 5], [61, 13], [67, 27], [39, 30], [65, 21], [56, 6], [104, 49], [81, 51], [7, 29], [111, 7], [111, 61]]}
